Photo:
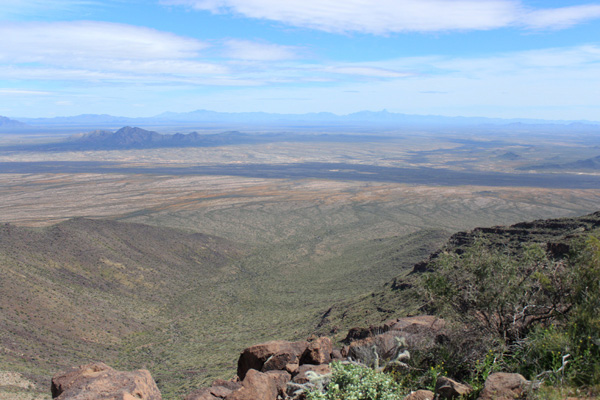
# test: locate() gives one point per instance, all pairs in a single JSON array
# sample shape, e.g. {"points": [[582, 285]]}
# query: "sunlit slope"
{"points": [[181, 304], [403, 295], [72, 292]]}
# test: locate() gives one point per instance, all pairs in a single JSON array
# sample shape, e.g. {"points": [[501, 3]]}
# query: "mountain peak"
{"points": [[6, 122]]}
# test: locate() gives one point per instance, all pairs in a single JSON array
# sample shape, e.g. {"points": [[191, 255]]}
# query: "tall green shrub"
{"points": [[486, 288]]}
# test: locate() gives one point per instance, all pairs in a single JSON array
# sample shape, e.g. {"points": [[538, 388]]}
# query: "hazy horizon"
{"points": [[472, 58]]}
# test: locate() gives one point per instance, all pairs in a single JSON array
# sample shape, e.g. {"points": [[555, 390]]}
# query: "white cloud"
{"points": [[393, 16], [378, 17], [35, 42], [560, 18], [103, 52], [367, 71], [24, 92], [551, 83], [249, 50]]}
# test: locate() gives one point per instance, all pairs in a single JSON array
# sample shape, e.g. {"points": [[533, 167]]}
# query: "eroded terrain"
{"points": [[318, 223]]}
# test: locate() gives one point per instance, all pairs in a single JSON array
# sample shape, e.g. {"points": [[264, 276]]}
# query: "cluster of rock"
{"points": [[498, 386], [100, 382], [282, 370]]}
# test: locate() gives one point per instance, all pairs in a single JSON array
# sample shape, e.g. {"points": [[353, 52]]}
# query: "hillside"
{"points": [[179, 304], [7, 123], [401, 296], [72, 292], [588, 164], [182, 319]]}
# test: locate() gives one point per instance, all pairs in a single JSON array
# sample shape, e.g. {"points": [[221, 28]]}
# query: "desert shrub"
{"points": [[583, 324], [540, 354], [357, 382], [543, 313], [490, 290]]}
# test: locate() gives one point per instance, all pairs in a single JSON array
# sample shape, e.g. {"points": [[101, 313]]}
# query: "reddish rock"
{"points": [[254, 357], [420, 395], [278, 362], [202, 394], [231, 385], [257, 386], [292, 368], [280, 378], [402, 326], [336, 354], [318, 352], [301, 377], [344, 351], [387, 345], [447, 388], [98, 381], [503, 386], [220, 389]]}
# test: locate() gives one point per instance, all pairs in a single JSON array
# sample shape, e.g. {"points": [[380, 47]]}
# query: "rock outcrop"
{"points": [[282, 352], [281, 370], [446, 388], [98, 381], [504, 386], [420, 395]]}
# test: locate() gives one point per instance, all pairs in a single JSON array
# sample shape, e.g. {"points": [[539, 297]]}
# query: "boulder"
{"points": [[503, 386], [281, 379], [255, 357], [220, 389], [278, 362], [98, 381], [447, 388], [336, 354], [420, 395], [377, 349], [318, 352], [301, 377], [406, 325], [261, 386], [292, 368], [202, 394]]}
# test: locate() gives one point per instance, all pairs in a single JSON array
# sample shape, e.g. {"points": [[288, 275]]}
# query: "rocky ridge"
{"points": [[282, 370]]}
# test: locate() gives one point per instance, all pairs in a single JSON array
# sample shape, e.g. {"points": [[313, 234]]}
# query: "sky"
{"points": [[490, 58]]}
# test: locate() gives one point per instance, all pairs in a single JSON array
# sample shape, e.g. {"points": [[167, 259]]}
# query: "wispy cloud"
{"points": [[66, 58], [393, 16], [249, 50], [97, 52], [103, 52], [359, 70], [24, 92], [49, 42], [560, 18]]}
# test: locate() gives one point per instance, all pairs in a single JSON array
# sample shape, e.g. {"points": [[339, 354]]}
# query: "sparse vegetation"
{"points": [[308, 245], [529, 313], [357, 382]]}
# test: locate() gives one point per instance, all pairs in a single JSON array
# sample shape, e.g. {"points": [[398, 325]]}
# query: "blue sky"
{"points": [[495, 58]]}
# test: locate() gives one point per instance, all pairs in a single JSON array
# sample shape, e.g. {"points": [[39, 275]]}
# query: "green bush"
{"points": [[490, 290], [356, 382], [544, 314]]}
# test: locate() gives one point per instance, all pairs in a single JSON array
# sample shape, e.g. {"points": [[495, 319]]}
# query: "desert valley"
{"points": [[175, 258]]}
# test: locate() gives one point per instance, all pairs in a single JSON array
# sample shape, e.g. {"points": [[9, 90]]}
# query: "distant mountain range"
{"points": [[592, 164], [259, 119], [137, 138], [10, 123]]}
